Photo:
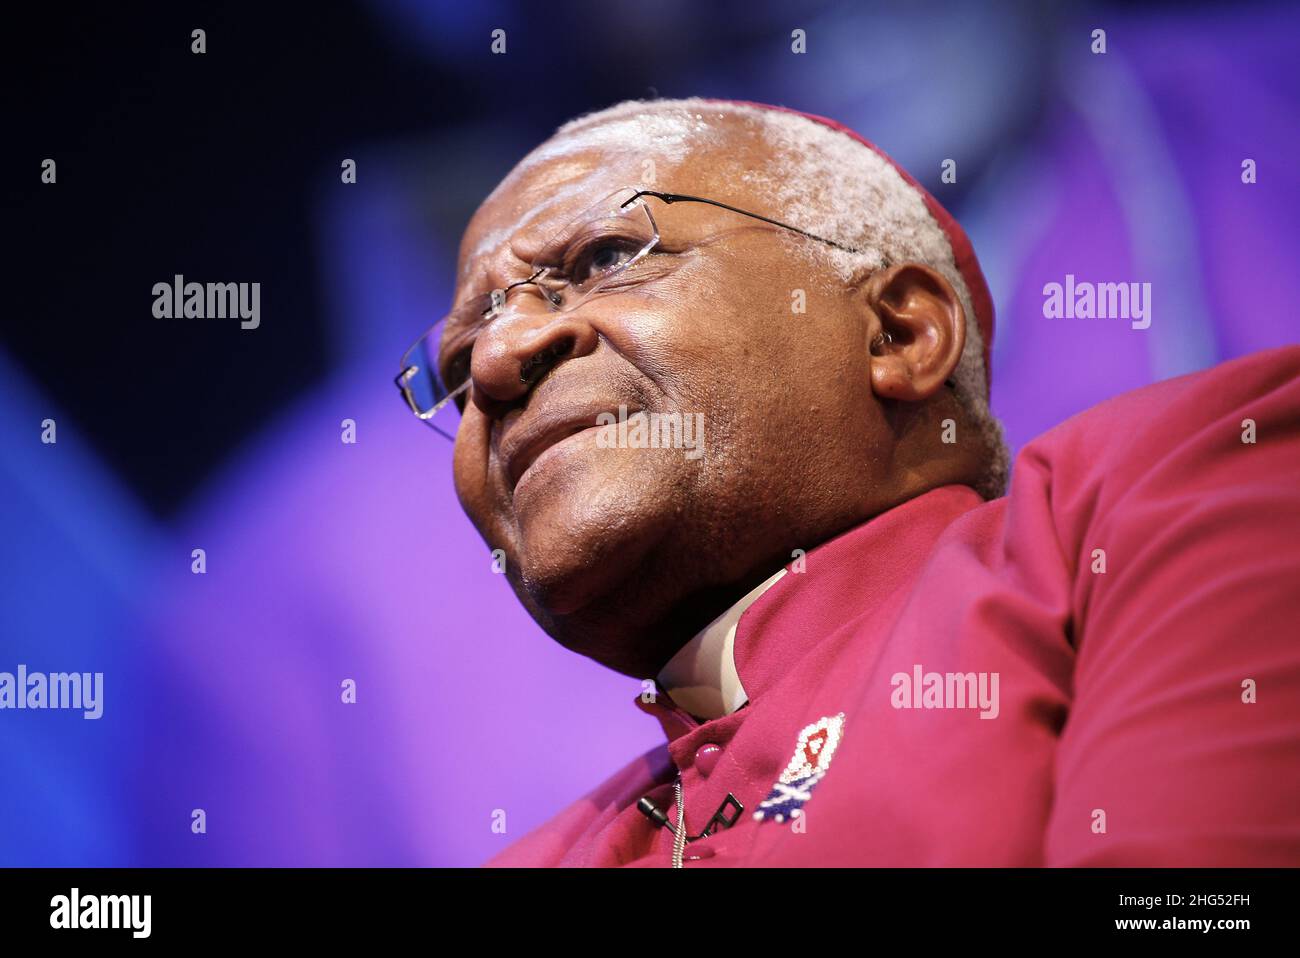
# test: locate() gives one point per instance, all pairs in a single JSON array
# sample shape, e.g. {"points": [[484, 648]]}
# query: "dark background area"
{"points": [[137, 124], [209, 166]]}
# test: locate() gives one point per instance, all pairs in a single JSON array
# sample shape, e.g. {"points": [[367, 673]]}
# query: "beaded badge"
{"points": [[812, 757]]}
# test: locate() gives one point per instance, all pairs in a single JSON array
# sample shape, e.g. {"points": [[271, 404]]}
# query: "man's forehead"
{"points": [[532, 196], [572, 170], [544, 195]]}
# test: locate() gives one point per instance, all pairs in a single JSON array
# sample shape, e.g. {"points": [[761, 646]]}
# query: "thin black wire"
{"points": [[686, 198]]}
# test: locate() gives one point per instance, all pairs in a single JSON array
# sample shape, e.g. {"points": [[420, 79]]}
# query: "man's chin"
{"points": [[588, 539], [590, 611], [564, 578]]}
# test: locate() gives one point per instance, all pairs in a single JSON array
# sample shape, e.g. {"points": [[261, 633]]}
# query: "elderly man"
{"points": [[717, 375]]}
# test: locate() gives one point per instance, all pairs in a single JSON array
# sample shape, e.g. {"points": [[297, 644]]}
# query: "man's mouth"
{"points": [[527, 441]]}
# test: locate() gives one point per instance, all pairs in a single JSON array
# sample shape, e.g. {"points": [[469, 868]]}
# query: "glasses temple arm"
{"points": [[686, 198]]}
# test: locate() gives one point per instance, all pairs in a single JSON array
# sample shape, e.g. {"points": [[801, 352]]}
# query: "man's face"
{"points": [[622, 553]]}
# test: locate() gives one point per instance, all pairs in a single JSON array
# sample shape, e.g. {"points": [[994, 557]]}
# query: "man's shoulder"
{"points": [[1176, 422]]}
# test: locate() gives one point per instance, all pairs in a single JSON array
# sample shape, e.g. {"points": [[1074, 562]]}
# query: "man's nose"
{"points": [[520, 346]]}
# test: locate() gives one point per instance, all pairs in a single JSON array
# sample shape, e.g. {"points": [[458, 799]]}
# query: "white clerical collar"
{"points": [[702, 676]]}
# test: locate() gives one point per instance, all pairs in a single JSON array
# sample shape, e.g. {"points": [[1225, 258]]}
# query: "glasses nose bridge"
{"points": [[517, 352], [543, 282], [519, 323]]}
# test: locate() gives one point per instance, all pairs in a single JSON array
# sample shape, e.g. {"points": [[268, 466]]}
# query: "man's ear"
{"points": [[918, 340]]}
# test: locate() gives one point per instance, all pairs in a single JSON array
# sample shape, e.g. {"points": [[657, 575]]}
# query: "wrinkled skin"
{"points": [[810, 429]]}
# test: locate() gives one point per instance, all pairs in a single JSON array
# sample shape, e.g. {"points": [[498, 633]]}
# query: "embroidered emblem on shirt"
{"points": [[812, 757]]}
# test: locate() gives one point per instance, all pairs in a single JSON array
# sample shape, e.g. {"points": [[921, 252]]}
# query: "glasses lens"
{"points": [[438, 365], [421, 382], [596, 250]]}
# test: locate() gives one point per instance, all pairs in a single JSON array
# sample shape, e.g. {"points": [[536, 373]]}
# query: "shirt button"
{"points": [[706, 758]]}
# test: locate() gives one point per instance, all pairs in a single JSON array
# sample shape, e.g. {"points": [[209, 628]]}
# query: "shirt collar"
{"points": [[863, 575], [859, 574], [702, 678]]}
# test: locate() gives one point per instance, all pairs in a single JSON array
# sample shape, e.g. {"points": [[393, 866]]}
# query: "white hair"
{"points": [[828, 183]]}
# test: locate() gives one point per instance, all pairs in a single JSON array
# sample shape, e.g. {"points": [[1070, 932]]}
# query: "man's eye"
{"points": [[600, 259], [606, 258]]}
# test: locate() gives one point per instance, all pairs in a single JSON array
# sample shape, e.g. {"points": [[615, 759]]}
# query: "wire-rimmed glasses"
{"points": [[593, 252], [598, 251]]}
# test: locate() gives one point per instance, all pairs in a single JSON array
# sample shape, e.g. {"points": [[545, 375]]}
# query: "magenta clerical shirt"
{"points": [[1101, 668]]}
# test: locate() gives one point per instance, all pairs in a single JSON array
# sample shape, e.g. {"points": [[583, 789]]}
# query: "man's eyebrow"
{"points": [[532, 214], [495, 239], [490, 241]]}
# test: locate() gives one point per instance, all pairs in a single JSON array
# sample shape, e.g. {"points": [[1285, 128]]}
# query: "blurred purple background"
{"points": [[329, 561]]}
